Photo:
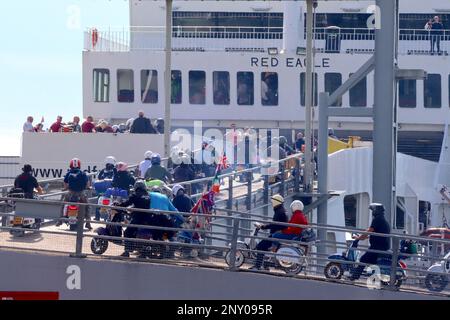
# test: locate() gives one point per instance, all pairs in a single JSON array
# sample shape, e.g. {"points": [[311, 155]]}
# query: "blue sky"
{"points": [[40, 59]]}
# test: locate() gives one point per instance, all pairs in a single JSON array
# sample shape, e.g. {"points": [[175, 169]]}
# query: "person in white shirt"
{"points": [[28, 126], [146, 164]]}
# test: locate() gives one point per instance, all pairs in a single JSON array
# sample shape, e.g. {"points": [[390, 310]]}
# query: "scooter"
{"points": [[111, 196], [337, 268], [291, 258], [438, 282], [22, 223], [71, 212]]}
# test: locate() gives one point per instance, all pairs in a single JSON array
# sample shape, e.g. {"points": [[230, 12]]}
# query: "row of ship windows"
{"points": [[432, 89]]}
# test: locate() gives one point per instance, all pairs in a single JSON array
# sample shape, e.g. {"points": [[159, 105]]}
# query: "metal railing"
{"points": [[354, 41], [212, 38], [205, 38], [232, 246]]}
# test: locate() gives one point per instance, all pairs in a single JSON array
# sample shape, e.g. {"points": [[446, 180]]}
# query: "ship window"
{"points": [[269, 88], [197, 84], [245, 88], [125, 85], [432, 91], [358, 94], [302, 89], [221, 87], [176, 87], [332, 82], [149, 86], [101, 85], [407, 95]]}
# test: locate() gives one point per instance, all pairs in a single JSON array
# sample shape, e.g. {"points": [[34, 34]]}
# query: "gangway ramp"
{"points": [[108, 279]]}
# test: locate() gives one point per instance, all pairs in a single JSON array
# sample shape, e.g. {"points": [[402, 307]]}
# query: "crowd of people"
{"points": [[139, 125]]}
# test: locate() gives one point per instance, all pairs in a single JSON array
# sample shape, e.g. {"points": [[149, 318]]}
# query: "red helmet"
{"points": [[75, 163]]}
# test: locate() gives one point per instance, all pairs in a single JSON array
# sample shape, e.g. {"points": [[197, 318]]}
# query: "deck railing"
{"points": [[212, 38]]}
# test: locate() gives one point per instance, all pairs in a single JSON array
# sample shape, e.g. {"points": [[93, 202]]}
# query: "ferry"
{"points": [[242, 64]]}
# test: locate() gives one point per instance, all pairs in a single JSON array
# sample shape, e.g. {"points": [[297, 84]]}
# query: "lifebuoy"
{"points": [[94, 37]]}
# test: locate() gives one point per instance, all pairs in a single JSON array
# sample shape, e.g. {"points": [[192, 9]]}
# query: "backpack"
{"points": [[308, 235], [76, 181]]}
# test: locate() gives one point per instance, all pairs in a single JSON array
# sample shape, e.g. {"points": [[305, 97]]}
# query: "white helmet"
{"points": [[277, 200], [148, 155], [297, 205], [177, 188], [110, 160]]}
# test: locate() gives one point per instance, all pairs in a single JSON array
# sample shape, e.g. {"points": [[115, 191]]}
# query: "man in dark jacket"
{"points": [[140, 199], [379, 243], [142, 125], [436, 28], [181, 201], [183, 173], [279, 216], [123, 179], [27, 182]]}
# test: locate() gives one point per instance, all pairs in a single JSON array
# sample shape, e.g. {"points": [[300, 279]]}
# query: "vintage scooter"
{"points": [[22, 223], [438, 282], [289, 257], [346, 263]]}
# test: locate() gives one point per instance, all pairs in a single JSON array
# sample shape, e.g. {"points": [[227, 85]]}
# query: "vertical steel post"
{"points": [[168, 79], [282, 182], [322, 210], [230, 193], [395, 250], [266, 195], [234, 240], [307, 180], [383, 133], [79, 240], [297, 175]]}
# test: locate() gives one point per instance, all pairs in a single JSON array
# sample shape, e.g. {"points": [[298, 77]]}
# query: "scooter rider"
{"points": [[157, 171], [181, 200], [123, 179], [76, 181], [379, 225], [280, 214], [27, 182], [282, 232], [146, 164], [139, 199], [110, 169]]}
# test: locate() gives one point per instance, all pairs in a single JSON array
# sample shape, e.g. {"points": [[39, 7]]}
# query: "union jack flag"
{"points": [[223, 163]]}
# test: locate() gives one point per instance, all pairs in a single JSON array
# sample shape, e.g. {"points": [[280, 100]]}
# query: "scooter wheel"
{"points": [[239, 261], [294, 269], [333, 271], [435, 283], [17, 233], [397, 284], [99, 246]]}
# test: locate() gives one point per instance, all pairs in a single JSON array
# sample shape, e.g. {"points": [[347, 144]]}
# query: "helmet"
{"points": [[156, 189], [377, 209], [122, 166], [148, 155], [75, 163], [277, 200], [176, 188], [297, 205], [140, 185], [156, 159], [116, 128], [283, 140], [185, 159], [110, 160]]}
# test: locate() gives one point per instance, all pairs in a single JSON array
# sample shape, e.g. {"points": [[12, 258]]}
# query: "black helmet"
{"points": [[377, 209], [140, 185]]}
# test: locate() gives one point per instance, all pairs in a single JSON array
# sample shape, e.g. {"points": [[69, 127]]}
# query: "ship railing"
{"points": [[225, 239], [210, 38], [361, 41]]}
